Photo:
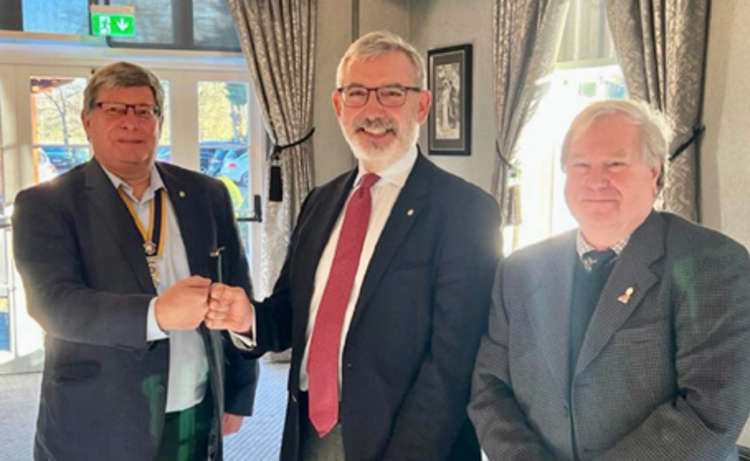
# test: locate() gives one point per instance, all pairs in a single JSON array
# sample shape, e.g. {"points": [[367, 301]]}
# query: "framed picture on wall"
{"points": [[449, 79]]}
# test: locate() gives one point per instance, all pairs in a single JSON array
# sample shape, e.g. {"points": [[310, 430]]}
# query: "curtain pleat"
{"points": [[278, 40], [661, 46], [526, 36]]}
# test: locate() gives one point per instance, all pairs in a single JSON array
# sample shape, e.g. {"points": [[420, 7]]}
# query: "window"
{"points": [[200, 24], [164, 150], [223, 122], [224, 140], [2, 157], [59, 141], [586, 71], [153, 21], [60, 16], [213, 25], [5, 323], [164, 24]]}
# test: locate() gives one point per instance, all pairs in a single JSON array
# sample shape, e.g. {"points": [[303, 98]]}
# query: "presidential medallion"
{"points": [[149, 248]]}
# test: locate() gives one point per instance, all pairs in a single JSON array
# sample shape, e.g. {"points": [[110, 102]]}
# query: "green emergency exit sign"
{"points": [[115, 21]]}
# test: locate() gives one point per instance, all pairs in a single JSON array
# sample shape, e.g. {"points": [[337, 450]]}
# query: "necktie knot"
{"points": [[368, 180], [596, 259]]}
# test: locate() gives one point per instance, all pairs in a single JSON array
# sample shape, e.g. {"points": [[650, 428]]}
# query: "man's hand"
{"points": [[230, 423], [229, 309], [184, 305]]}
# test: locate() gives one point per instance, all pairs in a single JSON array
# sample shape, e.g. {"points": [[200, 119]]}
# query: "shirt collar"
{"points": [[583, 247], [155, 183], [395, 174]]}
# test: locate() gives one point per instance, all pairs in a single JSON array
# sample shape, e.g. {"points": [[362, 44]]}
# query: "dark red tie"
{"points": [[323, 359]]}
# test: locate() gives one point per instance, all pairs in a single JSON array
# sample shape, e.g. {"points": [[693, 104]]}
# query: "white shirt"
{"points": [[384, 194], [188, 361]]}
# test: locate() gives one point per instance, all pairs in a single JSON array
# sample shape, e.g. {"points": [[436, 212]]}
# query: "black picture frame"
{"points": [[449, 79]]}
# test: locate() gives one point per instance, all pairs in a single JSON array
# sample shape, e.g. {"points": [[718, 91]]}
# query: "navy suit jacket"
{"points": [[410, 348], [87, 284]]}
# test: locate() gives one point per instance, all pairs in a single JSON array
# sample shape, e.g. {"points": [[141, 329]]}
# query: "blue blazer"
{"points": [[79, 253], [421, 310]]}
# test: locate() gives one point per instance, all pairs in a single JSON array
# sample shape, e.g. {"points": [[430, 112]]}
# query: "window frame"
{"points": [[182, 23]]}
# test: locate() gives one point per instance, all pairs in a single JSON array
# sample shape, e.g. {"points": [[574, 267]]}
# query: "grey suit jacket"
{"points": [[663, 372], [79, 253]]}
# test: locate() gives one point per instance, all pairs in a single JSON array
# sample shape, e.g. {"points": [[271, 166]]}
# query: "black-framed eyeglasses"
{"points": [[120, 109], [388, 95]]}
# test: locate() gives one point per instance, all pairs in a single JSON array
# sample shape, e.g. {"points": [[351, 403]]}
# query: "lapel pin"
{"points": [[410, 212], [625, 297], [181, 194]]}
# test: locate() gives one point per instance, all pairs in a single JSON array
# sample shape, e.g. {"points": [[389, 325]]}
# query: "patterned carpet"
{"points": [[258, 440]]}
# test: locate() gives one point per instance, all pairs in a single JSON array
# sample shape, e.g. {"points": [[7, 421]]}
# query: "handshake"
{"points": [[196, 299]]}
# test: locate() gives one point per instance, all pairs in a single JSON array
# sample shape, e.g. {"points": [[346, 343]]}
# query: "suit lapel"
{"points": [[114, 216], [196, 225], [549, 308], [409, 205], [630, 280]]}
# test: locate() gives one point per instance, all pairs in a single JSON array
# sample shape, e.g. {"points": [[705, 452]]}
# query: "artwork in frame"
{"points": [[449, 79]]}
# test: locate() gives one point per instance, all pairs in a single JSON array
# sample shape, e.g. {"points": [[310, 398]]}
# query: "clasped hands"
{"points": [[196, 299]]}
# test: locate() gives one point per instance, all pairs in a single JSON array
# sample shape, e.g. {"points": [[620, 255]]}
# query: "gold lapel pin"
{"points": [[182, 194], [625, 297], [410, 212]]}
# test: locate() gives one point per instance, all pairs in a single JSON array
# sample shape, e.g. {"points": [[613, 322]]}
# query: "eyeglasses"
{"points": [[120, 109], [387, 95]]}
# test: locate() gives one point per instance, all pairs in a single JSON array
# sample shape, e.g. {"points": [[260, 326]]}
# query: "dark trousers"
{"points": [[314, 448], [185, 435]]}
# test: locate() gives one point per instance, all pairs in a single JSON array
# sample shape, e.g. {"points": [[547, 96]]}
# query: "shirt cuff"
{"points": [[245, 342], [153, 332]]}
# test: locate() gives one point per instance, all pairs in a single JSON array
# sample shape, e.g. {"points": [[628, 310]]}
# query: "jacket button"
{"points": [[294, 398], [348, 364]]}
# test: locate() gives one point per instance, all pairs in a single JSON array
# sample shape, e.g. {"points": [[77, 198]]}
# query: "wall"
{"points": [[443, 23], [392, 15], [332, 156], [725, 159]]}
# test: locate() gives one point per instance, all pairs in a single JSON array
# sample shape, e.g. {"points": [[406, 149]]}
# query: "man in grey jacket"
{"points": [[627, 339]]}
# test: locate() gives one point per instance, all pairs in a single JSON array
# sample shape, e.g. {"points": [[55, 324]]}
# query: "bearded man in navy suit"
{"points": [[385, 287]]}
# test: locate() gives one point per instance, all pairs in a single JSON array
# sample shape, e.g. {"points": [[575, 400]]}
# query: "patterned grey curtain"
{"points": [[661, 46], [526, 38], [278, 41]]}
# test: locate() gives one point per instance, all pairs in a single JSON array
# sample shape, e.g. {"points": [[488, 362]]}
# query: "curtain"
{"points": [[661, 46], [526, 36], [278, 41]]}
